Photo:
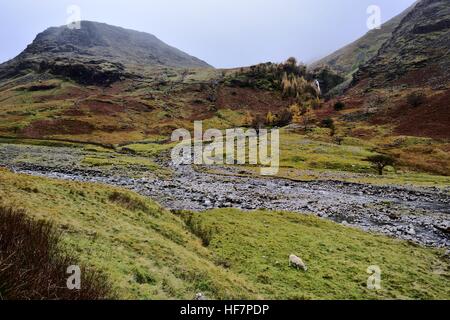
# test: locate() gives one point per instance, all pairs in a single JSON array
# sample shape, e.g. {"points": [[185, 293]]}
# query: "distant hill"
{"points": [[347, 60], [408, 78], [417, 54], [103, 53]]}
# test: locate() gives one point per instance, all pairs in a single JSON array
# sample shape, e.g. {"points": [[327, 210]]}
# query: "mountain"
{"points": [[96, 53], [417, 54], [347, 60], [407, 84]]}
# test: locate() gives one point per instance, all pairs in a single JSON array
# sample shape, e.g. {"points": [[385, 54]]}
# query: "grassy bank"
{"points": [[145, 250], [258, 244]]}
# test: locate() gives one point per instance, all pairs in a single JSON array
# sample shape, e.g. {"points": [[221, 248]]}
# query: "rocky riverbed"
{"points": [[420, 215]]}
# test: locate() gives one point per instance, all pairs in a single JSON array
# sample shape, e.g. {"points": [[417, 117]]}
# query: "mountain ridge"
{"points": [[349, 58], [407, 83], [419, 44], [104, 53]]}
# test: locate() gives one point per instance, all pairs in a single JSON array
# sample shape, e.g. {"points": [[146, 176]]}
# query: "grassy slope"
{"points": [[149, 253], [145, 250], [130, 112], [120, 161], [257, 245]]}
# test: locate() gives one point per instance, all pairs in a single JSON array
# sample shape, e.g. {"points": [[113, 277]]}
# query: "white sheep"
{"points": [[297, 263], [200, 296]]}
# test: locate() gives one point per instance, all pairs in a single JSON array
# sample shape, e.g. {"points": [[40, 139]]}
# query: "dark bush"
{"points": [[33, 267], [284, 118], [416, 99], [329, 123], [338, 106]]}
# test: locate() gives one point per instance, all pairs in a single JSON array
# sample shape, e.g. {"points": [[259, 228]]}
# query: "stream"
{"points": [[420, 215]]}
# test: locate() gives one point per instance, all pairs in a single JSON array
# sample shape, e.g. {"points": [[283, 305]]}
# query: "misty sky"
{"points": [[225, 33]]}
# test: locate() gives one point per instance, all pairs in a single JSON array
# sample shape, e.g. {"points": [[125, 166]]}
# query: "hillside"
{"points": [[43, 105], [96, 53], [406, 84], [418, 51], [348, 59]]}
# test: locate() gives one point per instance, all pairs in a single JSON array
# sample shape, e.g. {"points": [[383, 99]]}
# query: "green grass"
{"points": [[145, 250], [408, 178], [77, 155], [224, 119], [118, 160], [297, 151], [39, 142], [150, 253], [313, 156], [135, 166], [257, 244]]}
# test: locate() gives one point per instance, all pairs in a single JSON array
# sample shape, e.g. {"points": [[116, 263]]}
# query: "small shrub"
{"points": [[380, 161], [284, 118], [338, 106], [416, 99], [329, 123]]}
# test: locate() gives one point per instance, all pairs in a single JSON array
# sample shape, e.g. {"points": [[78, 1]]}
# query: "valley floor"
{"points": [[410, 213], [229, 234]]}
